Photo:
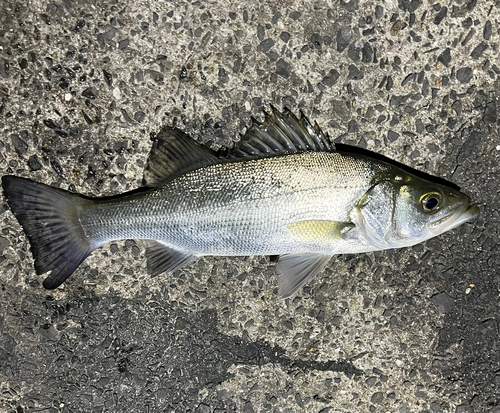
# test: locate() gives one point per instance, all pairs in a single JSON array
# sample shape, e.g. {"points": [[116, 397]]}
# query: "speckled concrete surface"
{"points": [[84, 86]]}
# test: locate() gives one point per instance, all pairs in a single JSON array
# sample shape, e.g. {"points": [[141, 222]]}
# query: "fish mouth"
{"points": [[454, 219]]}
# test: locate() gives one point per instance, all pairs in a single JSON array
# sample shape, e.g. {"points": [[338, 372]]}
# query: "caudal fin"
{"points": [[49, 217]]}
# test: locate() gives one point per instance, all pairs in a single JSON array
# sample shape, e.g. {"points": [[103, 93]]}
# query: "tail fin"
{"points": [[49, 217]]}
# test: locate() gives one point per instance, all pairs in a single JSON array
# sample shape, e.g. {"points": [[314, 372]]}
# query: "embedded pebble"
{"points": [[283, 68], [344, 36], [355, 73], [117, 94], [464, 74], [478, 50], [445, 57]]}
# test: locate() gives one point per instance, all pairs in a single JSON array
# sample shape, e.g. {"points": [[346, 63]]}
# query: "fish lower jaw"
{"points": [[442, 225]]}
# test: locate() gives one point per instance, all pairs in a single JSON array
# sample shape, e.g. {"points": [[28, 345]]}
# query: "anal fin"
{"points": [[296, 270], [161, 258]]}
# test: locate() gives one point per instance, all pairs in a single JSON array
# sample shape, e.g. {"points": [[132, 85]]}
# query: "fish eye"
{"points": [[431, 201]]}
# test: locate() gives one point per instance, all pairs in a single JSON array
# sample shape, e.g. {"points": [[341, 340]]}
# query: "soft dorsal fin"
{"points": [[174, 153], [281, 133]]}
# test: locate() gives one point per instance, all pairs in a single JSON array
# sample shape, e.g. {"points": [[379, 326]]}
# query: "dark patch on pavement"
{"points": [[103, 347]]}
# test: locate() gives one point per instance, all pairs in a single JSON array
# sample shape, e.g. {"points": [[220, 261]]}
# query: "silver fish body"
{"points": [[242, 208], [284, 190]]}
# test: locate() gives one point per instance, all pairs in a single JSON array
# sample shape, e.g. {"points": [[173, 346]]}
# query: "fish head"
{"points": [[405, 210]]}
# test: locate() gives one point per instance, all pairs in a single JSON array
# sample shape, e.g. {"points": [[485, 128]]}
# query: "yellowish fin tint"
{"points": [[319, 231]]}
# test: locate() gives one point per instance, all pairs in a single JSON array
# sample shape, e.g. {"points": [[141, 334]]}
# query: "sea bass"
{"points": [[283, 190]]}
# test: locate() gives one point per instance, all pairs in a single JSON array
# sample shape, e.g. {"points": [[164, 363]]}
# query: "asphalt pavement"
{"points": [[84, 87]]}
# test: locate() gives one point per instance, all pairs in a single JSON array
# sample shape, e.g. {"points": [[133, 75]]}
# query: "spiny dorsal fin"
{"points": [[281, 133], [174, 153]]}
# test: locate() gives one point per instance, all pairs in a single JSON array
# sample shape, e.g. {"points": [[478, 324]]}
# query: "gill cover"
{"points": [[374, 214]]}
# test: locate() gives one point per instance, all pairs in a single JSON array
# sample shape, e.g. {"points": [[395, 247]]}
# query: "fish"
{"points": [[284, 189]]}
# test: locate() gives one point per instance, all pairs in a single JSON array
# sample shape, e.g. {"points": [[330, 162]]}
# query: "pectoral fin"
{"points": [[320, 231], [296, 270], [161, 258]]}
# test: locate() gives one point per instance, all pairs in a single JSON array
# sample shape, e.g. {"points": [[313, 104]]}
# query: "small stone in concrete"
{"points": [[344, 37], [464, 74], [283, 68], [445, 57]]}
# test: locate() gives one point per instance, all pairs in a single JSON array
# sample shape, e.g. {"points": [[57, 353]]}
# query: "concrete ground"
{"points": [[83, 87]]}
